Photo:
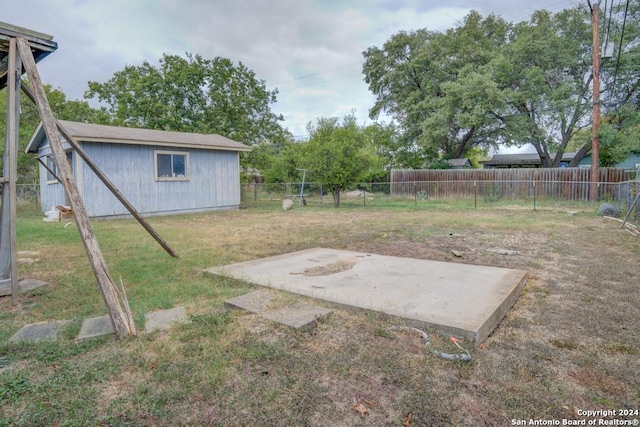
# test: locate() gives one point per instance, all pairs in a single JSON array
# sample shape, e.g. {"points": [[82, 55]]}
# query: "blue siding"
{"points": [[53, 193], [629, 163], [214, 181]]}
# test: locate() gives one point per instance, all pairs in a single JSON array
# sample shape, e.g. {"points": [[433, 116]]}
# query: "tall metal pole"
{"points": [[595, 128]]}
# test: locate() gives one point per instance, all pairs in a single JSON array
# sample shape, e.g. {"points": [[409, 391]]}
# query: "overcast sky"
{"points": [[311, 50]]}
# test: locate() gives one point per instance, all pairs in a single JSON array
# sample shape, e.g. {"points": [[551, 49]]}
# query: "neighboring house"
{"points": [[460, 163], [522, 160], [159, 172], [631, 162]]}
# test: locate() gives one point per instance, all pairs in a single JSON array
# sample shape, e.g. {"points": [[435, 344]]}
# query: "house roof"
{"points": [[41, 46], [461, 161], [87, 132], [522, 159]]}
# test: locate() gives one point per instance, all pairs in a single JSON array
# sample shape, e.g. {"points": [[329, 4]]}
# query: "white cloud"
{"points": [[310, 49]]}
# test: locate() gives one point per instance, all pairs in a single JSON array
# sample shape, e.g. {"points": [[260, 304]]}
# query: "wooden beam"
{"points": [[121, 324], [94, 167], [8, 247], [49, 170]]}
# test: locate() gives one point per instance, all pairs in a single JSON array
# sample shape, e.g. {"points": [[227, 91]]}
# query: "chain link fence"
{"points": [[27, 194], [465, 194]]}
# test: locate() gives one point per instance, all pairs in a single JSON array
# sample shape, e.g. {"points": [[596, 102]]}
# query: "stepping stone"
{"points": [[255, 302], [24, 284], [29, 284], [302, 317], [95, 327], [36, 332], [163, 319]]}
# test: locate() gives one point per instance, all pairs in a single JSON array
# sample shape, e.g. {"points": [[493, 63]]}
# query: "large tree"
{"points": [[338, 154], [544, 74], [193, 94], [437, 86], [62, 108], [488, 83]]}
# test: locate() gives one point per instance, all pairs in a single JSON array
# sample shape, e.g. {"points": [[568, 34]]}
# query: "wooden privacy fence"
{"points": [[561, 183]]}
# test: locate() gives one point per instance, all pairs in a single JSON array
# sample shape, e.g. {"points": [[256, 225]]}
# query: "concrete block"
{"points": [[299, 316], [163, 319], [36, 332], [255, 302], [95, 327]]}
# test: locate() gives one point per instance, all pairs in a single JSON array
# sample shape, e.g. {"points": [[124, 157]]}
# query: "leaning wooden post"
{"points": [[8, 247], [106, 181], [121, 324]]}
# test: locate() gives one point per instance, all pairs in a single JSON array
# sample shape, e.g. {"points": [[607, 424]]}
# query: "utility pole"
{"points": [[595, 127]]}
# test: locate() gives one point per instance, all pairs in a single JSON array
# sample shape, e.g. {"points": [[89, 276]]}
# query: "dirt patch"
{"points": [[330, 268]]}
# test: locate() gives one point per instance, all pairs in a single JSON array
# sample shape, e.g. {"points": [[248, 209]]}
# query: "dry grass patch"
{"points": [[570, 340]]}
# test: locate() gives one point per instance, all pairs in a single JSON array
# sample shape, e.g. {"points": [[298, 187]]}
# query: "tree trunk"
{"points": [[583, 151], [336, 197]]}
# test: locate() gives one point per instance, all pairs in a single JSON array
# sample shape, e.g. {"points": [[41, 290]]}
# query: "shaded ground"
{"points": [[570, 343]]}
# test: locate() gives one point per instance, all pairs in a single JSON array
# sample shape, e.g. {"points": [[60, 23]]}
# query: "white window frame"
{"points": [[51, 164], [50, 161], [172, 153]]}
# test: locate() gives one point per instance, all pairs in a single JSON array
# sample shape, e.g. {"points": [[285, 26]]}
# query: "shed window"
{"points": [[51, 164], [172, 166]]}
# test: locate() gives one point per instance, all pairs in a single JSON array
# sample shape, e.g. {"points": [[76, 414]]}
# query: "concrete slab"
{"points": [[163, 319], [96, 327], [454, 299], [299, 316], [36, 332]]}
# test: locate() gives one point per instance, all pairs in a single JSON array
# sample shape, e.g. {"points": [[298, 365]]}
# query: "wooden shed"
{"points": [[160, 172]]}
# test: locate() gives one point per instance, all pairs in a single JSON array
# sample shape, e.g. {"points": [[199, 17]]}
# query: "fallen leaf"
{"points": [[407, 420], [361, 409]]}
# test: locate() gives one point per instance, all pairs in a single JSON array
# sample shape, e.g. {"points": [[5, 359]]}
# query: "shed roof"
{"points": [[460, 161], [87, 132], [41, 45]]}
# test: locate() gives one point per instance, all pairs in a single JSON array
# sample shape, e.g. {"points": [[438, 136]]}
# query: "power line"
{"points": [[624, 21], [305, 76], [321, 82]]}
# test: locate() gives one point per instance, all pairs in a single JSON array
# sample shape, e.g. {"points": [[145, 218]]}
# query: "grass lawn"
{"points": [[570, 343]]}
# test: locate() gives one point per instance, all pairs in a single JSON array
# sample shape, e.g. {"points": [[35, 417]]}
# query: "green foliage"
{"points": [[337, 154], [437, 86], [438, 164], [542, 73], [285, 162], [619, 136], [62, 108], [389, 150], [489, 82], [193, 94]]}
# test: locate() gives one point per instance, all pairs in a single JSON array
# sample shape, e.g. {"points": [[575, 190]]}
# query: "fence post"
{"points": [[534, 195], [415, 194], [475, 194], [255, 191]]}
